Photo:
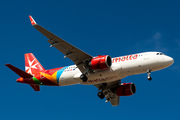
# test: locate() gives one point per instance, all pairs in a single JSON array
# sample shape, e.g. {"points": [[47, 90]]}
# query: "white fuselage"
{"points": [[121, 67]]}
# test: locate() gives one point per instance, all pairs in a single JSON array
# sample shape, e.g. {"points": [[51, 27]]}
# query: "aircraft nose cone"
{"points": [[169, 60]]}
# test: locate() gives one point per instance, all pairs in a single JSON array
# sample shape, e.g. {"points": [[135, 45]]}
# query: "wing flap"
{"points": [[113, 98], [110, 96]]}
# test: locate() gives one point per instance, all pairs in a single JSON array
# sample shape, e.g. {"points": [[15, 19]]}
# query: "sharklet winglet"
{"points": [[33, 22]]}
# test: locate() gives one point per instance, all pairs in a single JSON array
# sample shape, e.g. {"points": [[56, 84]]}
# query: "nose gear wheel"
{"points": [[148, 75]]}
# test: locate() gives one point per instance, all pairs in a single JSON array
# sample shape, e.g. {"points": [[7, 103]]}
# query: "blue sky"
{"points": [[98, 27]]}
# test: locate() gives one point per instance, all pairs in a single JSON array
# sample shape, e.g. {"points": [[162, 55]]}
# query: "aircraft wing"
{"points": [[76, 55], [114, 99], [110, 96]]}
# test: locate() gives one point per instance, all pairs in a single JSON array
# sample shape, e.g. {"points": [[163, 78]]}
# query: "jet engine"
{"points": [[126, 89], [100, 62]]}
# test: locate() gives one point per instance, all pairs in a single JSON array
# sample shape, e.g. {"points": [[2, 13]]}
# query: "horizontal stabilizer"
{"points": [[35, 87], [18, 71]]}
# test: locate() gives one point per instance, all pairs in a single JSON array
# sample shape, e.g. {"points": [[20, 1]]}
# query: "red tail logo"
{"points": [[32, 65]]}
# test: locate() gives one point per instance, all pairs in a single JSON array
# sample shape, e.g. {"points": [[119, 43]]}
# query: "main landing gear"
{"points": [[83, 78], [101, 95], [148, 75]]}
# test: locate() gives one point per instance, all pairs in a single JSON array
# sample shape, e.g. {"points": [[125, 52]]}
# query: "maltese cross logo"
{"points": [[31, 66]]}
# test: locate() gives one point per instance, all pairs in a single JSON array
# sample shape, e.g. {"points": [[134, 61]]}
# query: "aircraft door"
{"points": [[146, 56]]}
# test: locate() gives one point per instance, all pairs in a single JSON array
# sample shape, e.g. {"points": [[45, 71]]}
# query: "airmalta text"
{"points": [[124, 58], [103, 79]]}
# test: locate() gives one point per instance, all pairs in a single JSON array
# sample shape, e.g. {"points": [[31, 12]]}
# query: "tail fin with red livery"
{"points": [[23, 75], [32, 65]]}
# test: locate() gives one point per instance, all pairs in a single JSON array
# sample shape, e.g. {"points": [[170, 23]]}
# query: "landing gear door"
{"points": [[146, 56]]}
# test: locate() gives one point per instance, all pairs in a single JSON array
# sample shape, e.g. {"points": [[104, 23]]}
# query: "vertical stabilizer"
{"points": [[32, 65]]}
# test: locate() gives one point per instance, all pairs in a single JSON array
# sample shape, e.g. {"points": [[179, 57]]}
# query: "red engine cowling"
{"points": [[126, 89], [101, 62]]}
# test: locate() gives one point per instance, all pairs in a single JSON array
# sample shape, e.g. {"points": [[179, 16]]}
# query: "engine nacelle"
{"points": [[101, 62], [126, 89]]}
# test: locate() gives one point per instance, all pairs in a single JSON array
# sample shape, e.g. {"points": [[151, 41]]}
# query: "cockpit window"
{"points": [[159, 54]]}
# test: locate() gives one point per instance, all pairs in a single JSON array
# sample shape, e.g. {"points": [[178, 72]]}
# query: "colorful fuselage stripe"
{"points": [[59, 73], [47, 77], [51, 77]]}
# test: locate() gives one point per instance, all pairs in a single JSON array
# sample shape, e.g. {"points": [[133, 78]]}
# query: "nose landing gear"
{"points": [[148, 75]]}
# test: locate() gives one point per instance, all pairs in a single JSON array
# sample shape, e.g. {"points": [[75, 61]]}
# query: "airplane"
{"points": [[102, 71]]}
